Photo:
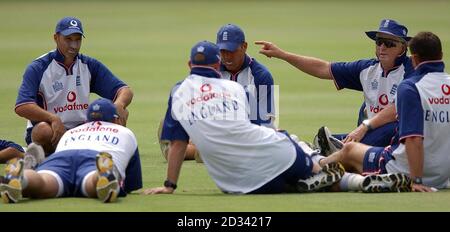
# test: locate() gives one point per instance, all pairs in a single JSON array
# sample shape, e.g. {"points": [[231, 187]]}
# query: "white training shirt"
{"points": [[239, 156], [115, 139], [423, 108]]}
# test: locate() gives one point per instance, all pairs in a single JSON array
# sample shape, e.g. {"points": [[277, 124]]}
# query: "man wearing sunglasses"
{"points": [[377, 78], [423, 106]]}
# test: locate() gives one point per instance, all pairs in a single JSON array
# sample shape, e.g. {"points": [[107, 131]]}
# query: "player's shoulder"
{"points": [[409, 85], [87, 59], [43, 61], [260, 72]]}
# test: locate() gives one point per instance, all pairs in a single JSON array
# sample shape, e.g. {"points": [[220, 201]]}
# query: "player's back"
{"points": [[239, 155], [432, 85], [115, 139]]}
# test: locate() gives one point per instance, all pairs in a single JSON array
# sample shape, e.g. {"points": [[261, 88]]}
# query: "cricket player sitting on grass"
{"points": [[54, 94], [423, 106], [377, 78], [241, 157], [99, 159], [238, 66]]}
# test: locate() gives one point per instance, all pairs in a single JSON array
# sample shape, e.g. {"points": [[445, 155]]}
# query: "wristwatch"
{"points": [[367, 124], [417, 180], [170, 184]]}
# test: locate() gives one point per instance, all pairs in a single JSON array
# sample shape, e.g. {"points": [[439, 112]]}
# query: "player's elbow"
{"points": [[21, 110]]}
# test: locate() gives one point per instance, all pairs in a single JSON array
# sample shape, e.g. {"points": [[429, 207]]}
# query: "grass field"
{"points": [[147, 45]]}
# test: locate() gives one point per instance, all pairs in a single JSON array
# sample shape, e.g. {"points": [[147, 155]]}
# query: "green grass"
{"points": [[147, 45]]}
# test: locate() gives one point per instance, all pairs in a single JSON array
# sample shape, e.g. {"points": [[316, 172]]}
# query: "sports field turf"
{"points": [[147, 45]]}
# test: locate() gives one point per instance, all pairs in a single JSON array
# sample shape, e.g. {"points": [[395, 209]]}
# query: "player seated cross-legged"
{"points": [[98, 159]]}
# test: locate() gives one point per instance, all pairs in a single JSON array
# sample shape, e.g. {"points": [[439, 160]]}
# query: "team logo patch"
{"points": [[374, 84], [393, 89], [78, 81], [57, 86], [96, 107], [371, 157], [225, 36], [201, 49]]}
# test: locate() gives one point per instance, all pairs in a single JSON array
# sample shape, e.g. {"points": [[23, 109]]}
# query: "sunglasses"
{"points": [[389, 43]]}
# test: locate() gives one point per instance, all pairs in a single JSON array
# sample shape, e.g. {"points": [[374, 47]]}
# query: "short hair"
{"points": [[426, 45], [199, 58]]}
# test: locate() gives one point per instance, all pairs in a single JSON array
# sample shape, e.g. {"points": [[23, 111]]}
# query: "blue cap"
{"points": [[102, 109], [390, 27], [69, 25], [230, 37], [209, 51]]}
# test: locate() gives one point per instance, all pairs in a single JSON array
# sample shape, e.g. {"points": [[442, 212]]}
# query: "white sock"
{"points": [[305, 148], [316, 157], [24, 182], [351, 182]]}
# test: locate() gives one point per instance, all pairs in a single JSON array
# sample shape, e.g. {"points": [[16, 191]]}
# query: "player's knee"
{"points": [[347, 148], [42, 133]]}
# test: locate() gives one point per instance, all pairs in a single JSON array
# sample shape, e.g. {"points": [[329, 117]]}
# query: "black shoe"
{"points": [[326, 142]]}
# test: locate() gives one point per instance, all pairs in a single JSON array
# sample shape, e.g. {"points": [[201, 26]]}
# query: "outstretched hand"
{"points": [[157, 190], [269, 49], [421, 188], [356, 135]]}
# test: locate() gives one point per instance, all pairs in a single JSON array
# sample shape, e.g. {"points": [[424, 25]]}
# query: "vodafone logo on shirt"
{"points": [[445, 89], [207, 94], [71, 105], [444, 100], [383, 99]]}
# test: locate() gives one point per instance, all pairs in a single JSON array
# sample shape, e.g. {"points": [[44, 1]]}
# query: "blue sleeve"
{"points": [[346, 74], [28, 91], [409, 69], [133, 180], [5, 144], [409, 110], [172, 129], [103, 81]]}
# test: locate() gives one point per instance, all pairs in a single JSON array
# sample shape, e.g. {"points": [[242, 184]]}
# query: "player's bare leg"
{"points": [[190, 151], [351, 156], [40, 185]]}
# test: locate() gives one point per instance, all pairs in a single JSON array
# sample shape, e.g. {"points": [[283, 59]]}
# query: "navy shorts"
{"points": [[70, 168], [375, 160], [379, 137], [286, 181]]}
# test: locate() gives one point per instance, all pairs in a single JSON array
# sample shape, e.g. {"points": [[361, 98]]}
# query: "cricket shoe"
{"points": [[326, 143], [11, 184], [108, 178], [163, 144], [33, 156], [392, 182], [330, 174]]}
